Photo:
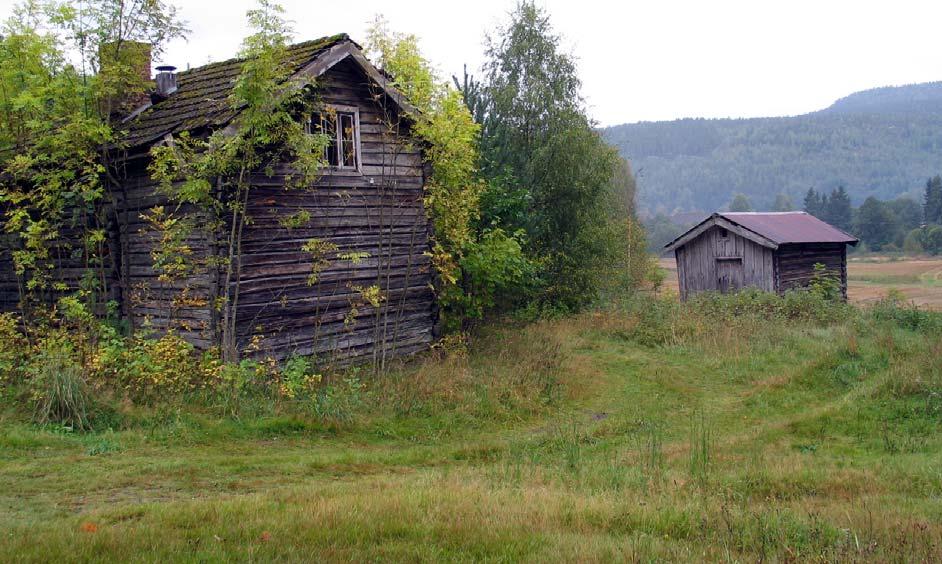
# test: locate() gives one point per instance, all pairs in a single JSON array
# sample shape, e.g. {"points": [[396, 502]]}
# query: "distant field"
{"points": [[919, 280]]}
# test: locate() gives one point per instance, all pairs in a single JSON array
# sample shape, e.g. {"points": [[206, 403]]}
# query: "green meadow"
{"points": [[735, 429]]}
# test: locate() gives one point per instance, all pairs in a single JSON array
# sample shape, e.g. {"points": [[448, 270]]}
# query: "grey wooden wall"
{"points": [[377, 213], [712, 262], [795, 264], [181, 304]]}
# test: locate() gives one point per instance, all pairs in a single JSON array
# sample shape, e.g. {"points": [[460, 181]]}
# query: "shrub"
{"points": [[798, 304], [13, 349], [824, 283], [893, 309], [297, 379], [912, 244], [148, 370], [495, 269]]}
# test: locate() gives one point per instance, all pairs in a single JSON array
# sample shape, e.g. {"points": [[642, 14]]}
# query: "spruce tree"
{"points": [[812, 203], [932, 206], [839, 213]]}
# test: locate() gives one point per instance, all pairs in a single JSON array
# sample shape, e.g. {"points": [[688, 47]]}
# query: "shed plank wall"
{"points": [[697, 262], [152, 303], [795, 264]]}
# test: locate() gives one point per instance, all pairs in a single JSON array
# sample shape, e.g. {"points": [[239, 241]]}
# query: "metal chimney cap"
{"points": [[166, 68]]}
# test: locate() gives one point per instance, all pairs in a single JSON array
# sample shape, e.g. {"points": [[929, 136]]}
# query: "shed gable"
{"points": [[719, 259]]}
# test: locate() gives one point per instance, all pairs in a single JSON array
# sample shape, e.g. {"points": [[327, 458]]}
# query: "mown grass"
{"points": [[737, 429]]}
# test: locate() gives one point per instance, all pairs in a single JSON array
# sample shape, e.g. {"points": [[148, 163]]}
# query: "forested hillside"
{"points": [[883, 142]]}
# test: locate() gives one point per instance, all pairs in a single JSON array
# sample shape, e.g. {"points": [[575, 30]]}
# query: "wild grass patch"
{"points": [[716, 432]]}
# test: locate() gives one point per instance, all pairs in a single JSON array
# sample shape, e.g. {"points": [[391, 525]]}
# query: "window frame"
{"points": [[333, 111]]}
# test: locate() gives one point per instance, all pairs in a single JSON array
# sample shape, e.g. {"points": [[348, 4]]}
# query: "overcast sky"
{"points": [[643, 60]]}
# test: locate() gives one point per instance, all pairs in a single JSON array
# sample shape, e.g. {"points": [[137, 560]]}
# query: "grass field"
{"points": [[644, 433], [869, 279]]}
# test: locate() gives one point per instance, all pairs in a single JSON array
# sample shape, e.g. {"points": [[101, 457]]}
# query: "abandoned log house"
{"points": [[365, 214], [773, 251]]}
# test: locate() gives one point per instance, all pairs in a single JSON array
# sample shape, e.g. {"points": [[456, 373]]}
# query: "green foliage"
{"points": [[495, 272], [153, 370], [320, 252], [548, 172], [13, 346], [838, 210], [296, 220], [661, 230], [298, 379], [740, 203], [932, 200], [931, 239], [57, 119], [893, 309], [875, 224], [783, 203], [825, 284], [454, 191], [912, 243], [814, 203]]}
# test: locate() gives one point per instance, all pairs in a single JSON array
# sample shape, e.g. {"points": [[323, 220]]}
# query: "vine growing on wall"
{"points": [[215, 173], [454, 190], [66, 70]]}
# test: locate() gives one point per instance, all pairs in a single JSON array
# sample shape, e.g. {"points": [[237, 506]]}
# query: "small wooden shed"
{"points": [[774, 251]]}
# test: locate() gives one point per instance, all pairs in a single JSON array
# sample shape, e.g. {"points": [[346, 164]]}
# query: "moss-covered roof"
{"points": [[202, 96]]}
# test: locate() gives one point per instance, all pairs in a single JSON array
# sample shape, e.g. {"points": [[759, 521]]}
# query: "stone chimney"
{"points": [[124, 71]]}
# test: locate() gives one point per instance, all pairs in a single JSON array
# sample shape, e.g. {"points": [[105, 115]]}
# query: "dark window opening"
{"points": [[723, 233], [341, 129], [347, 138]]}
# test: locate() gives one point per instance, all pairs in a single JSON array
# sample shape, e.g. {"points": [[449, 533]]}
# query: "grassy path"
{"points": [[797, 432]]}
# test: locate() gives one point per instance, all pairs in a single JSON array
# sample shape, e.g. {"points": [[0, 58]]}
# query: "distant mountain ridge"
{"points": [[883, 142], [926, 96]]}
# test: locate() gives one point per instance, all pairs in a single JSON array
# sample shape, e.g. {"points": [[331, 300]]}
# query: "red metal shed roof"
{"points": [[789, 227]]}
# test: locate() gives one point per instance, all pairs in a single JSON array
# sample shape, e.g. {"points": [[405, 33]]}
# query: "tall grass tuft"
{"points": [[59, 389], [700, 450]]}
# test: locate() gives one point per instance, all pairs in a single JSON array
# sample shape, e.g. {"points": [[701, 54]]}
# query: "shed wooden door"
{"points": [[729, 274]]}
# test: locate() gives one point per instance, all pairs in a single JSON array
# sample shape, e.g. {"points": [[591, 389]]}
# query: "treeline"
{"points": [[880, 149], [885, 226], [895, 225], [884, 223]]}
